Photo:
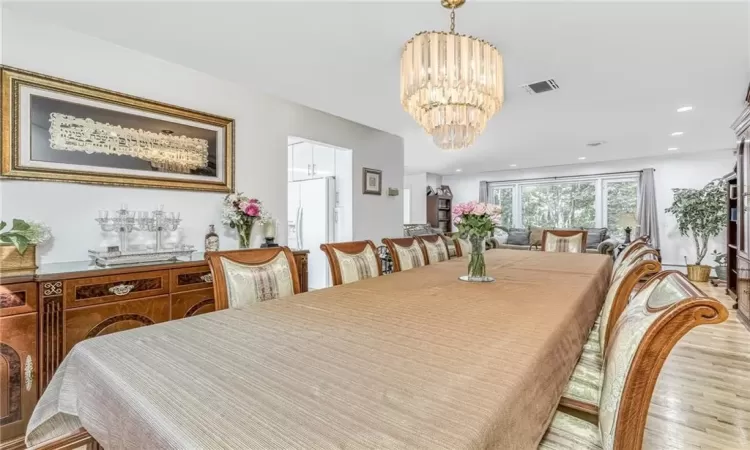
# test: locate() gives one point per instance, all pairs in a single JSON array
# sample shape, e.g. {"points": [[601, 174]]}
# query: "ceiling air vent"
{"points": [[541, 86]]}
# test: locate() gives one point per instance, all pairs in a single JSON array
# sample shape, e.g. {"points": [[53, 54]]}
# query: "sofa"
{"points": [[598, 240]]}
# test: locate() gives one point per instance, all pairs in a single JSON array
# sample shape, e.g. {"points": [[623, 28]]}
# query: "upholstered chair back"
{"points": [[624, 281], [568, 241], [661, 313], [245, 277], [463, 246], [352, 261], [640, 253], [435, 247], [407, 253], [626, 252]]}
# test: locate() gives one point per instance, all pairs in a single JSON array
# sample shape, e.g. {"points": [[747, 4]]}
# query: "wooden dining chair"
{"points": [[407, 253], [244, 277], [352, 261], [655, 320], [567, 241], [635, 245], [463, 246], [435, 247], [582, 391]]}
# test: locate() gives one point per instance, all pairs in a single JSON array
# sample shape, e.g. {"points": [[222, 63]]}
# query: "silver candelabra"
{"points": [[124, 222]]}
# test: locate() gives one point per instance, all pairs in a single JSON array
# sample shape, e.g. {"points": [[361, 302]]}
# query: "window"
{"points": [[559, 205], [503, 196], [621, 204], [571, 202]]}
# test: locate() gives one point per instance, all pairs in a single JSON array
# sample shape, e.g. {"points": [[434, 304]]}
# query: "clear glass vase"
{"points": [[244, 231], [477, 268]]}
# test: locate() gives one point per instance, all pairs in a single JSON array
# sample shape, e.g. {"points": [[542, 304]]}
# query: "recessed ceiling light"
{"points": [[458, 170], [514, 165], [685, 109], [677, 133], [581, 158], [672, 149]]}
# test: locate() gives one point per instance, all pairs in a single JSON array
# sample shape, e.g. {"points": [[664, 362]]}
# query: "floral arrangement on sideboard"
{"points": [[242, 213], [18, 243], [475, 221]]}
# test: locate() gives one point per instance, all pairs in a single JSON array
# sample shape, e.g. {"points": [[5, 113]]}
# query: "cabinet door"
{"points": [[303, 161], [98, 320], [192, 303], [324, 161], [18, 338]]}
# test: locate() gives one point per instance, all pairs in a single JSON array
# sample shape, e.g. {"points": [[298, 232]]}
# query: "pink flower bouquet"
{"points": [[475, 221], [242, 213]]}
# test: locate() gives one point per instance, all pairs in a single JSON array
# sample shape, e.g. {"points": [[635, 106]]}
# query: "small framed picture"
{"points": [[372, 181]]}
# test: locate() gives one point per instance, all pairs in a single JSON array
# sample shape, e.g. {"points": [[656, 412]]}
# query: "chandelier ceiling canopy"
{"points": [[451, 84]]}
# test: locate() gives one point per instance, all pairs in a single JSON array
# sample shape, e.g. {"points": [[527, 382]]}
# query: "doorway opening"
{"points": [[319, 202]]}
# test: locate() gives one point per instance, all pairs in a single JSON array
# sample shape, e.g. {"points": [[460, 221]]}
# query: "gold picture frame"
{"points": [[20, 89]]}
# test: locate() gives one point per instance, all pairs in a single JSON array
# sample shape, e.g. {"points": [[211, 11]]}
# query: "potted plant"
{"points": [[700, 214], [721, 264], [18, 244]]}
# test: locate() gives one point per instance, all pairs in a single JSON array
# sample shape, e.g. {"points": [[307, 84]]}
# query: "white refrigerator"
{"points": [[311, 213]]}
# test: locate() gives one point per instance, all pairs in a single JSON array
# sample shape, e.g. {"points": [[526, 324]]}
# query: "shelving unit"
{"points": [[439, 212], [732, 234]]}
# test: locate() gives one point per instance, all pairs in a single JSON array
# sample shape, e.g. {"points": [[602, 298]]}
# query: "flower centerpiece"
{"points": [[241, 213], [475, 221], [18, 244]]}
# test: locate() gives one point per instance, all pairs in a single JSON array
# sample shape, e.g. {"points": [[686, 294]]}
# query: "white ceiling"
{"points": [[623, 68]]}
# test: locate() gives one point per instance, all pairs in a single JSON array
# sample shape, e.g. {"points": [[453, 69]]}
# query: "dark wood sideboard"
{"points": [[44, 313]]}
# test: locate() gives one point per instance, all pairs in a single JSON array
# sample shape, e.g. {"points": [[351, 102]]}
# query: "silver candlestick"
{"points": [[124, 222]]}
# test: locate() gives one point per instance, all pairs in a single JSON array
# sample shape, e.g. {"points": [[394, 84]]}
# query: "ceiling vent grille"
{"points": [[541, 86]]}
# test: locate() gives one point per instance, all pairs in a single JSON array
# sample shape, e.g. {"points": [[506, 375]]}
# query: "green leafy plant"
{"points": [[22, 234], [700, 213]]}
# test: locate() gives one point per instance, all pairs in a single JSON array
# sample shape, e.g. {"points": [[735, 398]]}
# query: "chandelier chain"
{"points": [[453, 20]]}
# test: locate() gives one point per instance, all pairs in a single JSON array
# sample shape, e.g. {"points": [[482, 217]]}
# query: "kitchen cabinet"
{"points": [[302, 161], [324, 161], [309, 161]]}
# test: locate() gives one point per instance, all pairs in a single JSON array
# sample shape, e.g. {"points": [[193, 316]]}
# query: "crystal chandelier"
{"points": [[451, 83]]}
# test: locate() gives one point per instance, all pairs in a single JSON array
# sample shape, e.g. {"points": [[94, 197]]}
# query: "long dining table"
{"points": [[415, 359]]}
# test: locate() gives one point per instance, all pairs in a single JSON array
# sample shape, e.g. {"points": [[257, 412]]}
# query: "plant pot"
{"points": [[11, 260], [721, 272], [698, 273]]}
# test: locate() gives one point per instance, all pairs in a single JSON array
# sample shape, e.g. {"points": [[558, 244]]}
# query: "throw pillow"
{"points": [[518, 236]]}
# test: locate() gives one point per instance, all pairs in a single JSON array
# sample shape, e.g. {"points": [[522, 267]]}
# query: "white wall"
{"points": [[263, 124], [434, 180], [679, 171], [417, 183]]}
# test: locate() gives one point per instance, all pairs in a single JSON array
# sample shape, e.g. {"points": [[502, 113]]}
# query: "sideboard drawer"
{"points": [[191, 278], [17, 298], [98, 320], [92, 291]]}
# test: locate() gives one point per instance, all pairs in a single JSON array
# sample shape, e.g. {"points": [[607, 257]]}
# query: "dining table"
{"points": [[414, 359]]}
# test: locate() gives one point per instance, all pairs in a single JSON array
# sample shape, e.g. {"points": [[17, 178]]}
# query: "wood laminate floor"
{"points": [[702, 397]]}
